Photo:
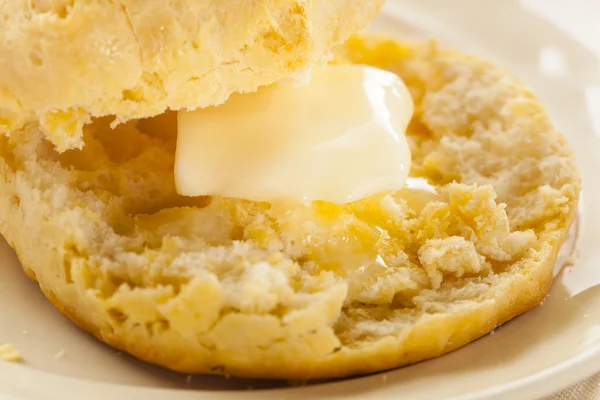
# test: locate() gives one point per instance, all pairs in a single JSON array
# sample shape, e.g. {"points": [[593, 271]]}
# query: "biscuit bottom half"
{"points": [[225, 286]]}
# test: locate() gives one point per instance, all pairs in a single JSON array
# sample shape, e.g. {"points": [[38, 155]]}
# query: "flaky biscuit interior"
{"points": [[216, 285]]}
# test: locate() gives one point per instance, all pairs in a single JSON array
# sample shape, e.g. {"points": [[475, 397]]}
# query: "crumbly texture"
{"points": [[64, 61], [8, 352], [224, 286]]}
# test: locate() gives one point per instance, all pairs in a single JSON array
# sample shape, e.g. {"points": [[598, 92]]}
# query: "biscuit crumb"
{"points": [[61, 353], [450, 256], [24, 333], [9, 353], [188, 378]]}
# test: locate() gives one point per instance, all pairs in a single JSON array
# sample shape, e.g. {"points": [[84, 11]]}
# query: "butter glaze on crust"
{"points": [[63, 61], [222, 286]]}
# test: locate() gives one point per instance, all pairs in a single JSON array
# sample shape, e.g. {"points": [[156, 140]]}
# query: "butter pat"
{"points": [[338, 138]]}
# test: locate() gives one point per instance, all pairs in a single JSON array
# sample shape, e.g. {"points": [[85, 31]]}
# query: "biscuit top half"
{"points": [[66, 61]]}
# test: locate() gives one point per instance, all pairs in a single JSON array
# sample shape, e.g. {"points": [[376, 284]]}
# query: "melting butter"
{"points": [[418, 192], [338, 138]]}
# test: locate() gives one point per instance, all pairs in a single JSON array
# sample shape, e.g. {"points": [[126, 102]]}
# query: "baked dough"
{"points": [[223, 286], [63, 61], [9, 353]]}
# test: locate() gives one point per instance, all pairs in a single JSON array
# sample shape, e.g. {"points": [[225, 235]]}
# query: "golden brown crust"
{"points": [[231, 287], [70, 60], [381, 359]]}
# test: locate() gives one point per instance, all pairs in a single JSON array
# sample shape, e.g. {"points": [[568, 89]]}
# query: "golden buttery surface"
{"points": [[224, 286]]}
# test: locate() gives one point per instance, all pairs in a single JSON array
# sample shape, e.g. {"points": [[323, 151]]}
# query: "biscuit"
{"points": [[64, 61], [223, 286]]}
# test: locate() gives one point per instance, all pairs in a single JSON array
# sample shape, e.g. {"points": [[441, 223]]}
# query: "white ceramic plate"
{"points": [[536, 354]]}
